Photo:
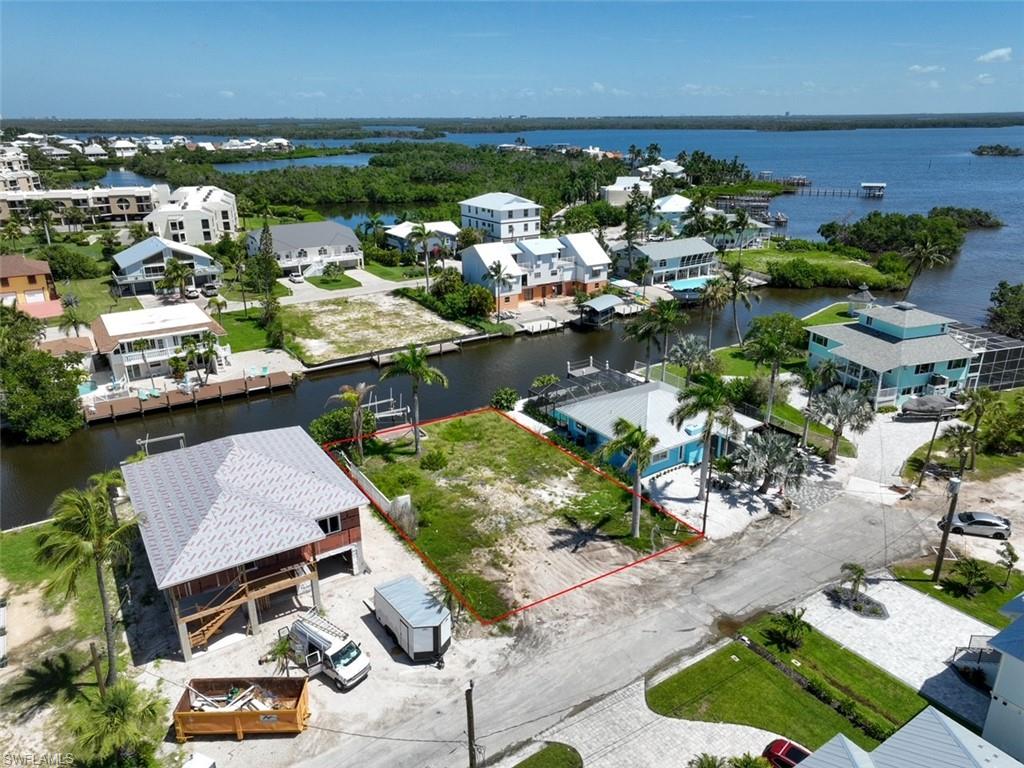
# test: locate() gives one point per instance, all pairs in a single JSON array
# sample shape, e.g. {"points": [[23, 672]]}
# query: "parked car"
{"points": [[318, 646], [191, 292], [296, 278], [783, 753], [211, 289], [979, 524]]}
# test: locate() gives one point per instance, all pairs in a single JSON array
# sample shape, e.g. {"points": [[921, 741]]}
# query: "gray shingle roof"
{"points": [[903, 314], [879, 352], [675, 249], [230, 501], [313, 234]]}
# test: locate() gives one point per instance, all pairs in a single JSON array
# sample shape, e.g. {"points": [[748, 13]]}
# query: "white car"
{"points": [[296, 278], [980, 524], [191, 292]]}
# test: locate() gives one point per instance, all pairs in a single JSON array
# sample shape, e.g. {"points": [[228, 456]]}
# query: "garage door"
{"points": [[35, 297]]}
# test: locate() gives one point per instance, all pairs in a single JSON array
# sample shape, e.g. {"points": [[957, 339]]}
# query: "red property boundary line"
{"points": [[582, 462]]}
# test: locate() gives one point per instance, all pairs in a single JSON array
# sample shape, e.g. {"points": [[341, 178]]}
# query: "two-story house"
{"points": [[502, 217], [139, 343], [305, 249], [895, 353], [230, 524], [677, 263], [617, 193], [28, 285], [591, 263], [1004, 724], [141, 267], [444, 236], [195, 215]]}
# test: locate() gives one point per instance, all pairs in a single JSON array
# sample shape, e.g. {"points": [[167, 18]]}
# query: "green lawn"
{"points": [[244, 333], [878, 694], [793, 415], [469, 509], [836, 313], [334, 283], [734, 363], [554, 755], [232, 292], [855, 271], [392, 273], [94, 298], [28, 243], [984, 606], [752, 692]]}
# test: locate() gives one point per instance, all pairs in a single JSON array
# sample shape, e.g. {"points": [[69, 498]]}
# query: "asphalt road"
{"points": [[561, 662]]}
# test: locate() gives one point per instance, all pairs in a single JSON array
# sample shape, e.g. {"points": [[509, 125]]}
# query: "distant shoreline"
{"points": [[343, 128]]}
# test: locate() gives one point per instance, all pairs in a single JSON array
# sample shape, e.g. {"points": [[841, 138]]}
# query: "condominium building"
{"points": [[195, 215], [15, 173], [116, 204], [502, 217]]}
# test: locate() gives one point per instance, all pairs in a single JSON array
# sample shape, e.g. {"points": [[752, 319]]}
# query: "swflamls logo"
{"points": [[36, 759]]}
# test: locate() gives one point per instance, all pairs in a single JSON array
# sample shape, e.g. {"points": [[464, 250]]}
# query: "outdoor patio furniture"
{"points": [[143, 395]]}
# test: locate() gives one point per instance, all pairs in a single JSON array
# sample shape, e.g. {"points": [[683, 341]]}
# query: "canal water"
{"points": [[923, 168]]}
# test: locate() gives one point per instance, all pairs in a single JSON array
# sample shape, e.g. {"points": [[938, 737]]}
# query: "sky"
{"points": [[487, 59]]}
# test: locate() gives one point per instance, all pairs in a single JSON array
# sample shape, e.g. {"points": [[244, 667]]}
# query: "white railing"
{"points": [[149, 356]]}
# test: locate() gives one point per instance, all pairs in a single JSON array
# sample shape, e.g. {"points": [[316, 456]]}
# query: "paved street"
{"points": [[671, 607]]}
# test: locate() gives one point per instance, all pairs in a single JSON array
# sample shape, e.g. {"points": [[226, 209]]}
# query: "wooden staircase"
{"points": [[212, 622]]}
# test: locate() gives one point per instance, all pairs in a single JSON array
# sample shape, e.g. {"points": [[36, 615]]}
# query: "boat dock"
{"points": [[871, 191], [132, 405]]}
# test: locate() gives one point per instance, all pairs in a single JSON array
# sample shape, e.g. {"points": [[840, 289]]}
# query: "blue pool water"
{"points": [[689, 284], [87, 387]]}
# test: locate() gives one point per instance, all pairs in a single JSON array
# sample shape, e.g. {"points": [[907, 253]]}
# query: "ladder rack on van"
{"points": [[315, 620]]}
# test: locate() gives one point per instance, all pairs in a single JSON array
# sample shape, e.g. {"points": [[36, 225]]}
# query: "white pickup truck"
{"points": [[320, 646]]}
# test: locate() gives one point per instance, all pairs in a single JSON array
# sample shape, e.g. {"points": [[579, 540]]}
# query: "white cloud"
{"points": [[696, 89], [932, 85], [924, 69], [227, 94], [984, 79], [996, 54], [597, 87], [310, 95]]}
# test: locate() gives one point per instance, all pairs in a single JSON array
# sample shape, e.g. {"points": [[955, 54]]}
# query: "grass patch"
{"points": [[984, 606], [470, 507], [26, 244], [853, 272], [793, 415], [393, 273], [831, 315], [244, 333], [846, 675], [95, 298], [750, 692], [334, 283], [232, 292], [554, 755]]}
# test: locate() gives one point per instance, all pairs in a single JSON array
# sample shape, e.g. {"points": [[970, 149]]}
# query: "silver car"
{"points": [[980, 524]]}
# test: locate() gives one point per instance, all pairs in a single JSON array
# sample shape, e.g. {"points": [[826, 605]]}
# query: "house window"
{"points": [[31, 279], [953, 365], [660, 456], [507, 298], [511, 229], [869, 321], [301, 254], [924, 368], [330, 524], [206, 223], [322, 251], [4, 282], [582, 429]]}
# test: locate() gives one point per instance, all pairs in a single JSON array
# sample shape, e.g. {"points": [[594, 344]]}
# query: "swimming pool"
{"points": [[87, 387], [689, 283]]}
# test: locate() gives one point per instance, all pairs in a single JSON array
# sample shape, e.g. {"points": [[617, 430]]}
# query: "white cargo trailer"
{"points": [[417, 620]]}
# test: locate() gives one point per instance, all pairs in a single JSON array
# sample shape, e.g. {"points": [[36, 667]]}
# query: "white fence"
{"points": [[399, 509]]}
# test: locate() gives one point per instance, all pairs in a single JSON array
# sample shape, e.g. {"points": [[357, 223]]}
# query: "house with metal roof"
{"points": [[617, 193], [231, 523], [501, 216], [895, 353], [591, 262], [444, 236], [306, 248], [930, 740], [669, 261], [1004, 724], [141, 267]]}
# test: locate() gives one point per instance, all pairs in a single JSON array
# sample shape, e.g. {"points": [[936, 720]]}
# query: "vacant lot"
{"points": [[327, 330], [507, 517]]}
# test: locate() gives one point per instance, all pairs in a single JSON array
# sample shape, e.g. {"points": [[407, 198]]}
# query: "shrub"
{"points": [[337, 425], [505, 398], [334, 269], [67, 264], [818, 690], [795, 273], [434, 460], [888, 409], [891, 263], [847, 708]]}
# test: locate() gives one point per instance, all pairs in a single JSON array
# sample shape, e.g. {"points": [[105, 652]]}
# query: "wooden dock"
{"points": [[133, 406], [835, 192]]}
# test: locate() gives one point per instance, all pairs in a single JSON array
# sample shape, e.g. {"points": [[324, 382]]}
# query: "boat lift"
{"points": [[388, 408]]}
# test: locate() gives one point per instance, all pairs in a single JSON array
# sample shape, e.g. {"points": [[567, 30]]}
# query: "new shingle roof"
{"points": [[313, 234], [586, 248], [903, 314], [227, 502], [675, 249], [879, 352]]}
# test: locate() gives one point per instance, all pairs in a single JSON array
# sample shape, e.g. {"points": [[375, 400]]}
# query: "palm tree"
{"points": [[137, 232], [638, 447], [71, 320], [740, 224], [747, 760], [10, 235], [216, 304], [774, 457], [739, 291], [707, 395], [355, 398], [142, 346], [280, 653], [719, 230], [74, 216], [414, 364], [791, 626], [121, 727], [840, 408], [693, 354], [498, 274], [972, 573], [374, 225], [644, 330], [83, 536], [666, 318], [924, 254], [854, 575], [824, 375], [108, 484], [978, 401], [41, 211], [771, 344], [420, 235], [714, 297], [962, 442], [704, 760], [176, 274], [1008, 558], [198, 351]]}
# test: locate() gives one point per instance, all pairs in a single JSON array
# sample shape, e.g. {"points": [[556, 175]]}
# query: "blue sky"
{"points": [[235, 59]]}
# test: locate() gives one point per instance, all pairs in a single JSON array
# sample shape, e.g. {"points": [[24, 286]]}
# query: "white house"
{"points": [[121, 336], [195, 215], [590, 262], [662, 168], [502, 217], [141, 267], [444, 235], [1004, 725], [95, 152], [669, 261], [124, 148], [305, 249], [277, 145], [618, 193]]}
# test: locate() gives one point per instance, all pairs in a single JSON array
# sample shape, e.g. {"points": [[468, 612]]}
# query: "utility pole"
{"points": [[470, 725], [954, 494]]}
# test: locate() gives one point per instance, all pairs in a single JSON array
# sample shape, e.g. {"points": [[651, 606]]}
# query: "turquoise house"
{"points": [[591, 423], [896, 353]]}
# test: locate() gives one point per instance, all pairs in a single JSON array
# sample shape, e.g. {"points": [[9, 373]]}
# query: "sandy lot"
{"points": [[365, 324]]}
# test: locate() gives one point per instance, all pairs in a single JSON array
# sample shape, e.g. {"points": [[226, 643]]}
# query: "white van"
{"points": [[320, 646]]}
